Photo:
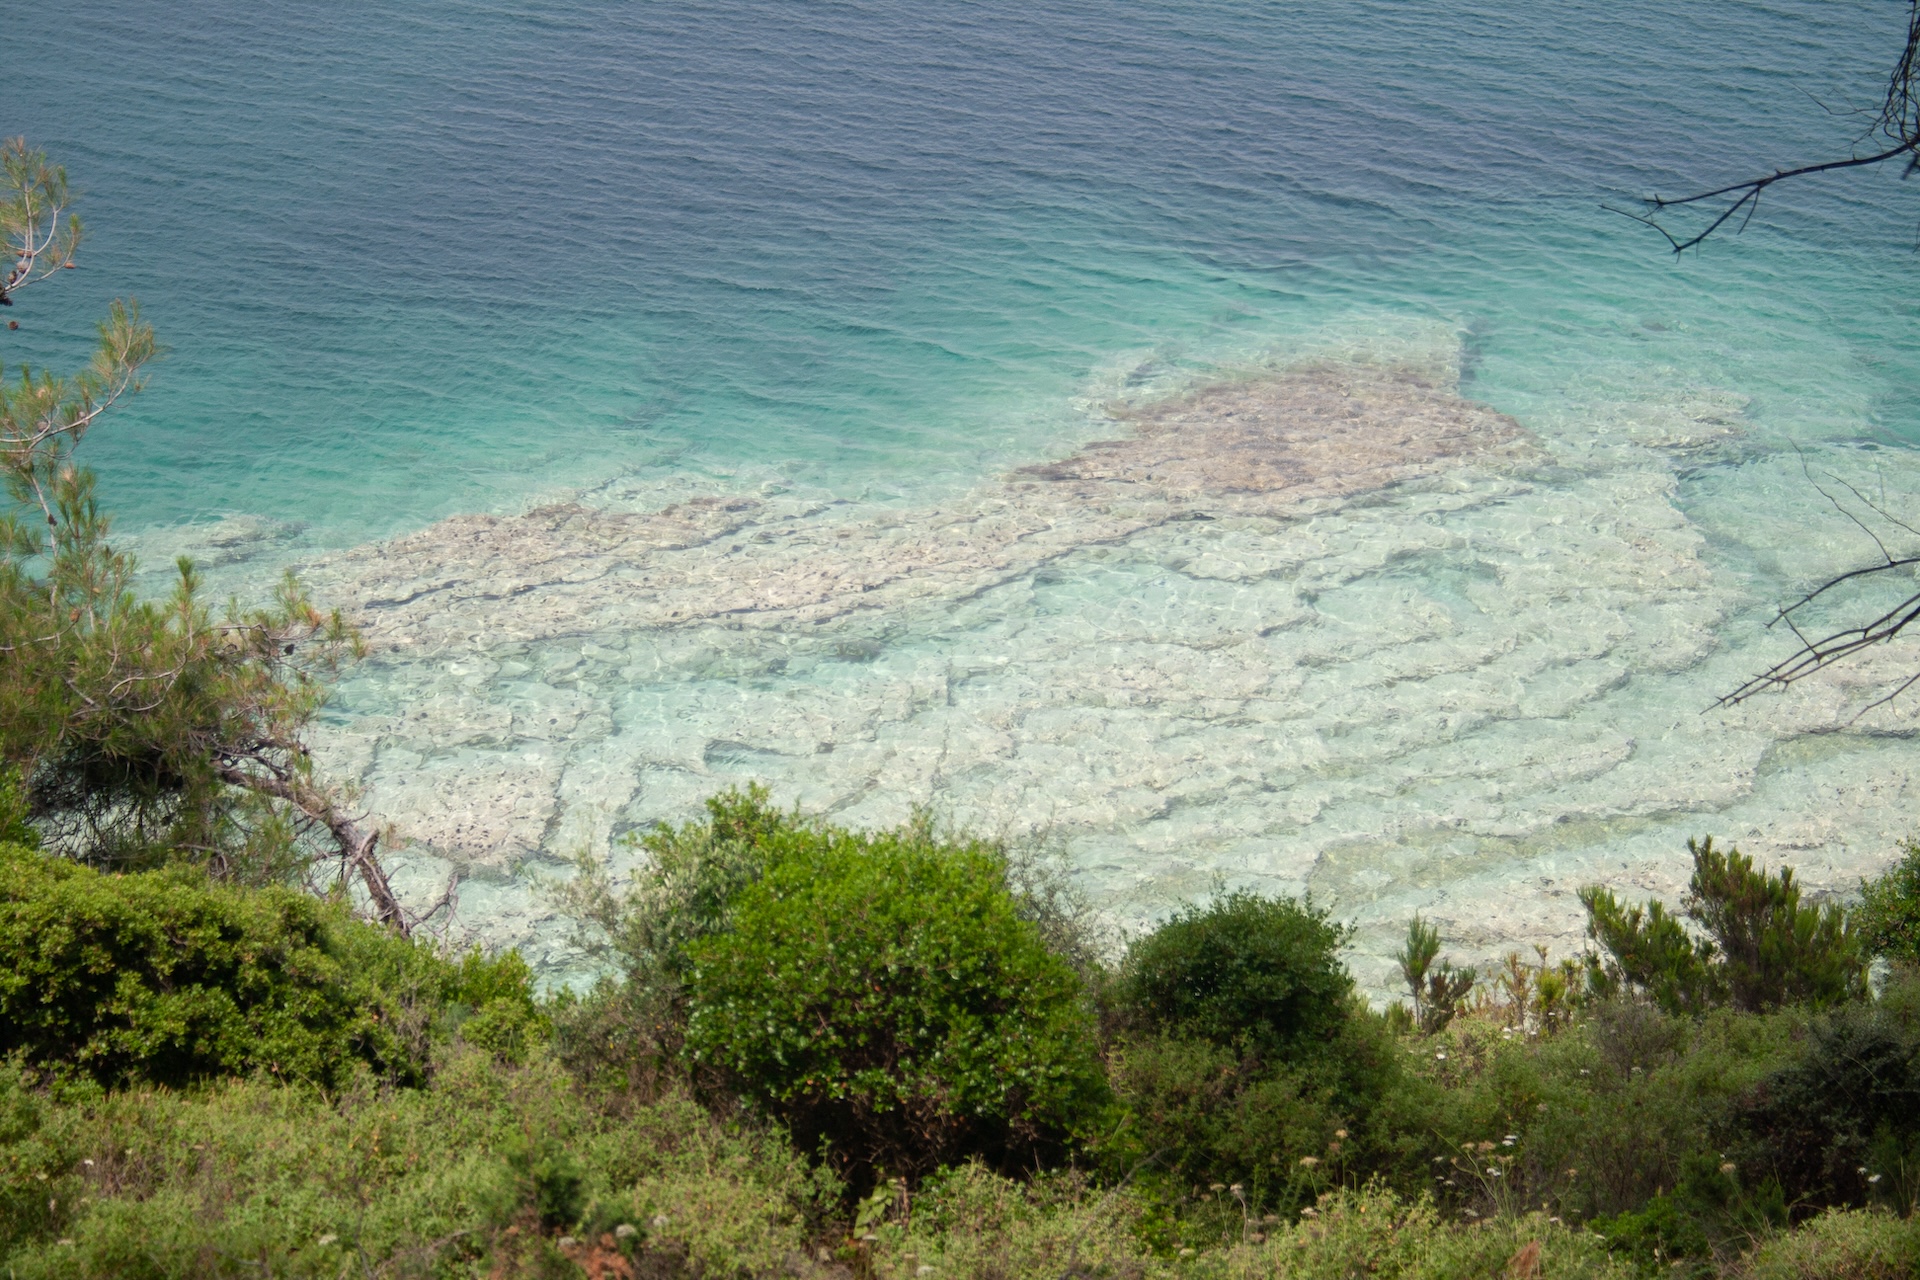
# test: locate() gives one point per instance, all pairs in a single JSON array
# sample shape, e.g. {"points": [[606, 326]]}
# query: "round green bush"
{"points": [[1249, 973], [165, 977], [882, 996]]}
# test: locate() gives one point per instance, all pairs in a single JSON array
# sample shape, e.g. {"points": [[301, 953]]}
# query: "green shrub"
{"points": [[882, 996], [1252, 974], [1438, 990], [1244, 1060], [167, 978], [1840, 1126], [1200, 1116], [477, 1174], [1841, 1244], [1888, 917], [1764, 949]]}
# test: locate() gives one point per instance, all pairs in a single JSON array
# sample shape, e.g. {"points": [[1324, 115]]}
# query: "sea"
{"points": [[426, 272]]}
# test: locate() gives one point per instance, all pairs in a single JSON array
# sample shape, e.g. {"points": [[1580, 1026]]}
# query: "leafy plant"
{"points": [[1437, 991], [1248, 973], [1841, 1125], [144, 732], [161, 977], [883, 997], [1764, 948], [1888, 917]]}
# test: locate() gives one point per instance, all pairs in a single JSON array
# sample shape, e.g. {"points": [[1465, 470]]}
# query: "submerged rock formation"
{"points": [[1331, 628], [1270, 448]]}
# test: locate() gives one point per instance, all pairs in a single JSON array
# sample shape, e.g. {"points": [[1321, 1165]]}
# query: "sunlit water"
{"points": [[854, 264]]}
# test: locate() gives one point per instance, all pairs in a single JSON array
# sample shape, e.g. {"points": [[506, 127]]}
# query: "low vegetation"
{"points": [[821, 1052]]}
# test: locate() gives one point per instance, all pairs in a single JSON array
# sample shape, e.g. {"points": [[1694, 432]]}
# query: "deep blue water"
{"points": [[418, 259]]}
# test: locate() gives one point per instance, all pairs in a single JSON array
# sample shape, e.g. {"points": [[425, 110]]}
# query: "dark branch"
{"points": [[1898, 123]]}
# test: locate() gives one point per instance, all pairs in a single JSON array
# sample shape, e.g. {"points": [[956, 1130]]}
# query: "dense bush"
{"points": [[1200, 1116], [164, 977], [1888, 917], [1840, 1125], [1245, 1059], [482, 1173], [1256, 975], [882, 995], [1764, 949]]}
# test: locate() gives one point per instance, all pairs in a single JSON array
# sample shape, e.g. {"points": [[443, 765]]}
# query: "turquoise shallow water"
{"points": [[461, 257]]}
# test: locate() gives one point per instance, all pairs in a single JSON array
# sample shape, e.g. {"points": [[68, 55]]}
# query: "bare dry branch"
{"points": [[1896, 125]]}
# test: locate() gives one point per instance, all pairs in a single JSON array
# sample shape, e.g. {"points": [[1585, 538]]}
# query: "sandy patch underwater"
{"points": [[1318, 623]]}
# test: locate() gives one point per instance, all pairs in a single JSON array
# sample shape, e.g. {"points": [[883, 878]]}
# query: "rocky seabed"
{"points": [[1323, 627]]}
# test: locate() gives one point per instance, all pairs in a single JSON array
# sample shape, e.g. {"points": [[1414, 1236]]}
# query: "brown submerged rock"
{"points": [[1268, 447]]}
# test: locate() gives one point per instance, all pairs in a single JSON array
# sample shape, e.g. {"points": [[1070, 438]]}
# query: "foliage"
{"points": [[1764, 949], [1610, 1140], [1201, 1117], [480, 1173], [971, 1223], [1252, 1077], [882, 996], [1888, 916], [166, 978], [1840, 1125], [1840, 1245], [1437, 991], [145, 731], [627, 1032], [1248, 973], [1598, 1120]]}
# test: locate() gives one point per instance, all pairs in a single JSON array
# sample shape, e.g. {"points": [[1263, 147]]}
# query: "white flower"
{"points": [[326, 1239]]}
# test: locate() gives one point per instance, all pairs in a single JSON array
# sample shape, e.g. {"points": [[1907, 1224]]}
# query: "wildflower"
{"points": [[1186, 1253], [1873, 1177], [1307, 1162], [326, 1239], [1309, 1212], [1494, 1173], [1217, 1186], [1340, 1133], [1442, 1055], [1728, 1167]]}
